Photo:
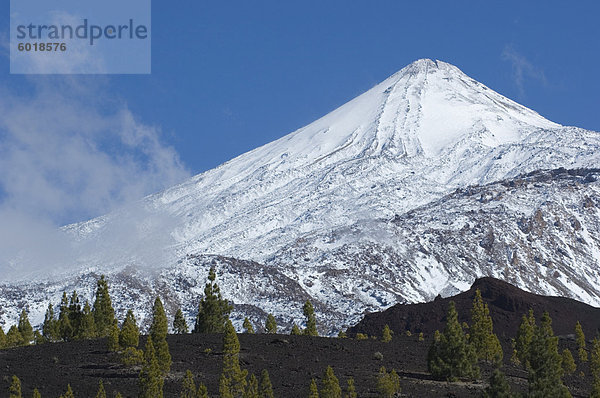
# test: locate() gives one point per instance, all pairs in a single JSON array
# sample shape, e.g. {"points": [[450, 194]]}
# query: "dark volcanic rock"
{"points": [[507, 304]]}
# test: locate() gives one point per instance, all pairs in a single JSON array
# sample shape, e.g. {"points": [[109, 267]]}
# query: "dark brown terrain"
{"points": [[293, 360]]}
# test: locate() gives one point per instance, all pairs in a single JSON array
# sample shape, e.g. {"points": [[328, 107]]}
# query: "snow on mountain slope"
{"points": [[410, 140]]}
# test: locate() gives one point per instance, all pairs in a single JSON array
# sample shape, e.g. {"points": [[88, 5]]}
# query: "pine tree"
{"points": [[224, 387], [594, 358], [451, 356], [266, 388], [524, 337], [87, 327], [271, 324], [295, 330], [75, 314], [36, 393], [15, 388], [3, 343], [580, 340], [179, 324], [25, 328], [388, 384], [213, 310], [499, 387], [350, 389], [129, 336], [545, 371], [113, 338], [188, 388], [69, 393], [595, 389], [13, 337], [311, 321], [50, 325], [101, 391], [568, 363], [386, 336], [150, 379], [481, 333], [248, 326], [252, 389], [104, 313], [202, 391], [158, 333], [65, 328], [330, 385], [313, 391], [231, 362], [119, 395]]}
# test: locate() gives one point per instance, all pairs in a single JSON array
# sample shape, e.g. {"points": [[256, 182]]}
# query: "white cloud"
{"points": [[68, 152], [522, 69]]}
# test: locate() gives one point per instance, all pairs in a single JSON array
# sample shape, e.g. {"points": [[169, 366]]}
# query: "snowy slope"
{"points": [[417, 136]]}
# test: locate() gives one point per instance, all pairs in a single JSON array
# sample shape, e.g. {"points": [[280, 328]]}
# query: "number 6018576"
{"points": [[42, 46]]}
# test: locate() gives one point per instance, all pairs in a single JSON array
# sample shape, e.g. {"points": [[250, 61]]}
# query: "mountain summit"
{"points": [[325, 212]]}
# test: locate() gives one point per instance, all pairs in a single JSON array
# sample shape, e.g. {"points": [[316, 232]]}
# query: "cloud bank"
{"points": [[69, 152]]}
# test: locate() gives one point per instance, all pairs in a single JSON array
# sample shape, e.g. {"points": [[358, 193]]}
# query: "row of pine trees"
{"points": [[453, 355]]}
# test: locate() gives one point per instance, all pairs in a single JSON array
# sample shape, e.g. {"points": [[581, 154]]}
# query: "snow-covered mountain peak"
{"points": [[308, 208]]}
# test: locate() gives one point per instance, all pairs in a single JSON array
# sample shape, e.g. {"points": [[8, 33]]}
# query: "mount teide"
{"points": [[358, 211]]}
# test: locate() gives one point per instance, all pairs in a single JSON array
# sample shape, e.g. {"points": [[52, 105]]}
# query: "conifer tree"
{"points": [[101, 391], [350, 389], [594, 358], [271, 324], [595, 389], [252, 389], [179, 324], [499, 387], [568, 363], [580, 340], [104, 313], [25, 328], [118, 395], [202, 391], [386, 336], [3, 343], [481, 333], [311, 321], [265, 388], [69, 393], [213, 310], [150, 379], [65, 327], [113, 338], [158, 333], [87, 327], [15, 388], [13, 337], [388, 384], [50, 325], [295, 330], [235, 376], [129, 336], [188, 388], [75, 314], [545, 371], [313, 391], [248, 326], [451, 356], [36, 393], [224, 387], [524, 337], [330, 385]]}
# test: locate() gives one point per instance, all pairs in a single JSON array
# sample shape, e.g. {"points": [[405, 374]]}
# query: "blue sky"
{"points": [[230, 76]]}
